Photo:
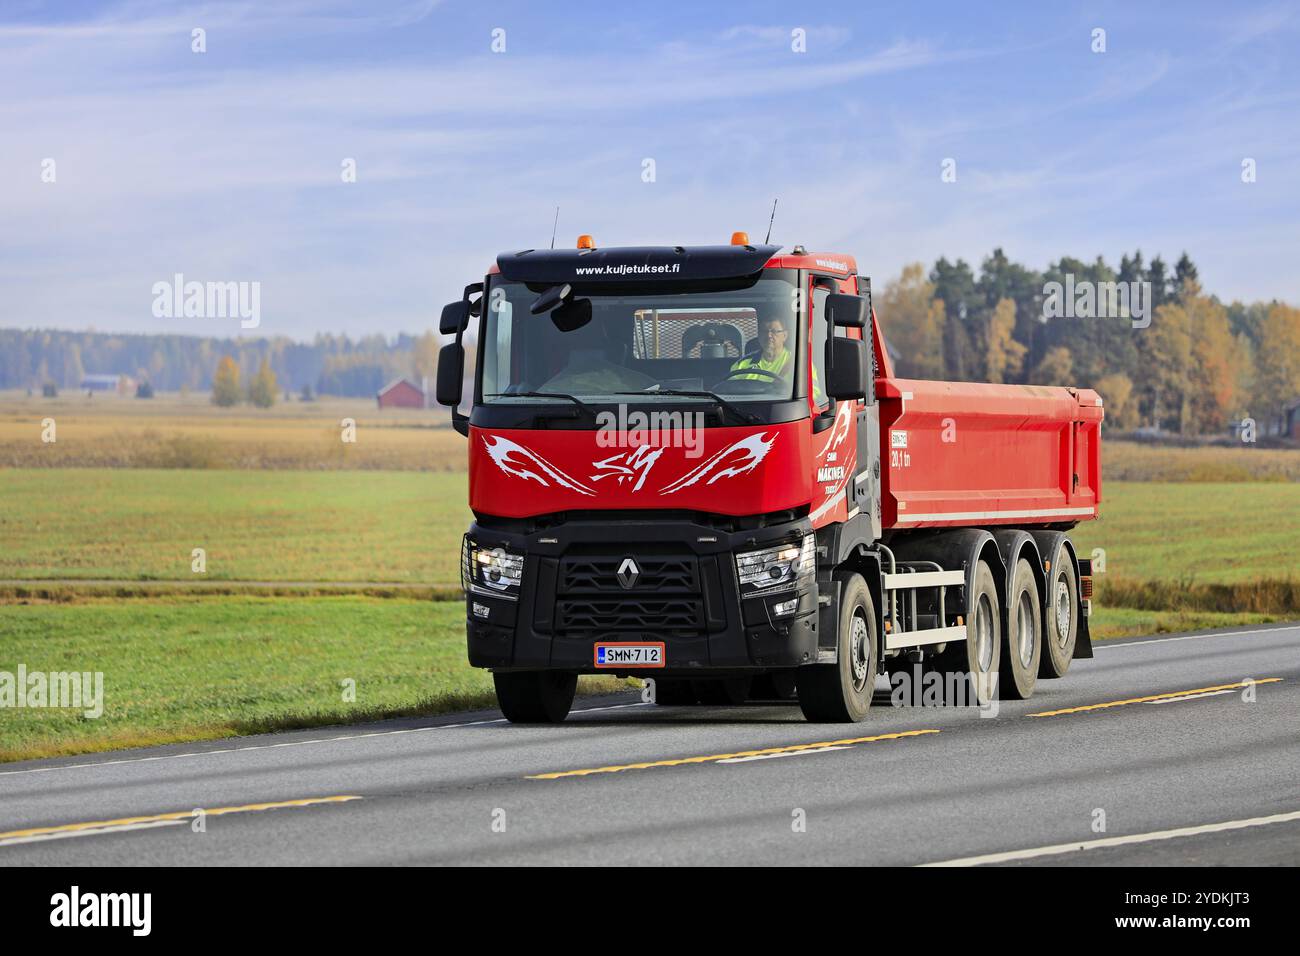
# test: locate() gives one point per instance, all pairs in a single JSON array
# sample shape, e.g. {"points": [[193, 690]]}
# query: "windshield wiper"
{"points": [[576, 401], [736, 412]]}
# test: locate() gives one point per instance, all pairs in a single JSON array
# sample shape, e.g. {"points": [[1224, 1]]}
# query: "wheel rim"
{"points": [[860, 651], [1062, 612], [984, 634], [1025, 629]]}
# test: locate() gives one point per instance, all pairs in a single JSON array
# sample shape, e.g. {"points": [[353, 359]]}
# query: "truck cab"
{"points": [[675, 472]]}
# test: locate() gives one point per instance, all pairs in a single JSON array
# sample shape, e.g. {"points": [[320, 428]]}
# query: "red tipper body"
{"points": [[960, 453]]}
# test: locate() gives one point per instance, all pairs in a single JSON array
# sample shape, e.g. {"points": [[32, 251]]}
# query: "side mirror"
{"points": [[455, 318], [451, 374], [847, 377], [846, 311]]}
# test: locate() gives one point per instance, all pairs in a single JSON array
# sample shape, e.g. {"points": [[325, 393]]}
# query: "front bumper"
{"points": [[688, 597]]}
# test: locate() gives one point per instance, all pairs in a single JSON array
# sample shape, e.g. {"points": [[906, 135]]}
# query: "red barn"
{"points": [[402, 393]]}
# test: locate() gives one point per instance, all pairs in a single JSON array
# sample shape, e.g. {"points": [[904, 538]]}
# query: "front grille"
{"points": [[665, 598], [662, 575], [630, 614]]}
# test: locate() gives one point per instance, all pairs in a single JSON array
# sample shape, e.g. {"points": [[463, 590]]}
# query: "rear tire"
{"points": [[1024, 644], [841, 693], [535, 697], [1062, 630], [730, 692], [970, 670], [673, 693]]}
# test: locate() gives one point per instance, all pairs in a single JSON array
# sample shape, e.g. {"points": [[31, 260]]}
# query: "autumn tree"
{"points": [[1116, 391], [1003, 354], [262, 389], [1215, 362], [225, 383], [913, 320], [1165, 350], [1278, 360], [424, 356], [1056, 368]]}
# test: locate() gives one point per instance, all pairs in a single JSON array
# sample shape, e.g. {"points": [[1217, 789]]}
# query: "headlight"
{"points": [[760, 570], [493, 571]]}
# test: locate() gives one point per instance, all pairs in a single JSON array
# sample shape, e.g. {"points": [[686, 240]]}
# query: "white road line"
{"points": [[788, 753], [1174, 700], [1060, 848], [287, 743], [1107, 645]]}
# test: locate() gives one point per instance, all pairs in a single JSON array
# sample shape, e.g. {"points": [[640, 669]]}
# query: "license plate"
{"points": [[628, 654]]}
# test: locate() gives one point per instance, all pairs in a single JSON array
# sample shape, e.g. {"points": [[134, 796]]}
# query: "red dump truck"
{"points": [[695, 464]]}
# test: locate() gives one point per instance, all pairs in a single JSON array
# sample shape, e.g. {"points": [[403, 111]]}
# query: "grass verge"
{"points": [[185, 669]]}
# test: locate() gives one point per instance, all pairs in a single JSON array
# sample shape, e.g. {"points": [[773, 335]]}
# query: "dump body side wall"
{"points": [[962, 453]]}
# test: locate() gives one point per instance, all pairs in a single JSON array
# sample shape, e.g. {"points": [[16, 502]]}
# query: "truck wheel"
{"points": [[969, 670], [1024, 645], [841, 693], [674, 693], [535, 697], [722, 693], [1062, 618]]}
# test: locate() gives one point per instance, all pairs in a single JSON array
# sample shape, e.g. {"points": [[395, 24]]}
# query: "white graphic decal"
{"points": [[629, 465], [517, 460], [840, 475], [738, 458], [735, 459]]}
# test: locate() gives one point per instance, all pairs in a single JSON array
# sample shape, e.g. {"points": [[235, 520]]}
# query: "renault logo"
{"points": [[628, 572]]}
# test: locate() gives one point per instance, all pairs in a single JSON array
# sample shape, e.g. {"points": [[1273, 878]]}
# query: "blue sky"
{"points": [[226, 165]]}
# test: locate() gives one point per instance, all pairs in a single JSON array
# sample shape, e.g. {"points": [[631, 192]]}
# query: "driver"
{"points": [[773, 358]]}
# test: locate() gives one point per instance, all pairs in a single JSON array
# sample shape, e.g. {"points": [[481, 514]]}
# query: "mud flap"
{"points": [[1083, 642]]}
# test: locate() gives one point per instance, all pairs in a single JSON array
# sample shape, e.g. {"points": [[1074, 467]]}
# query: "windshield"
{"points": [[743, 342]]}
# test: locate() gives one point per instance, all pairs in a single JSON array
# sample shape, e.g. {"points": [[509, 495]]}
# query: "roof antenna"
{"points": [[769, 224], [554, 225]]}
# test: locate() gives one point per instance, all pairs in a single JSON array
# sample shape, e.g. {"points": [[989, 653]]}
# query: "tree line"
{"points": [[329, 364], [1191, 364]]}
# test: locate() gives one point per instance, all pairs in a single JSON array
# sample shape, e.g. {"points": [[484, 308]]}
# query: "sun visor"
{"points": [[634, 263]]}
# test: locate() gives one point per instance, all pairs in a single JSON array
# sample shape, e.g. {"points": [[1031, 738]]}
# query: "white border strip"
{"points": [[1060, 848], [980, 515]]}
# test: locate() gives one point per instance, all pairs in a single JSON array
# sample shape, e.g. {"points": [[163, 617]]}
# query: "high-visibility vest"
{"points": [[778, 366]]}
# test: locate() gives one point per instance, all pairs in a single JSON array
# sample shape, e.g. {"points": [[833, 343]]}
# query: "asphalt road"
{"points": [[944, 784]]}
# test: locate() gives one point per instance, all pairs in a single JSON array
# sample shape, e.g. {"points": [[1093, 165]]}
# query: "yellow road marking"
{"points": [[1143, 700], [164, 817], [793, 748]]}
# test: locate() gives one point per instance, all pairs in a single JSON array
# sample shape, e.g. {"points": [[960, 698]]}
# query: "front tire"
{"points": [[535, 697], [840, 693]]}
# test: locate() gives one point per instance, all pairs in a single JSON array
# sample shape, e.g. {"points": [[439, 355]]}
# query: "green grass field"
{"points": [[139, 524], [203, 668], [189, 667]]}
